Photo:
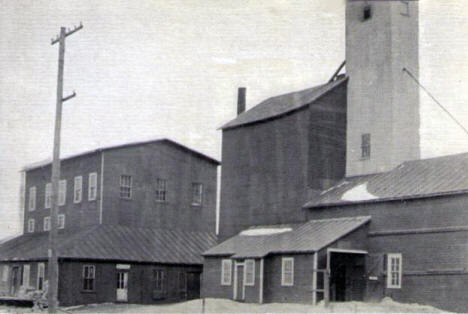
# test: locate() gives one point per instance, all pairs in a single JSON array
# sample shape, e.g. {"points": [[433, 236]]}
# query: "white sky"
{"points": [[145, 69]]}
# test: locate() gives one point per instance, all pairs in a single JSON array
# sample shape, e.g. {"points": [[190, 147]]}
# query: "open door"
{"points": [[122, 286], [193, 286]]}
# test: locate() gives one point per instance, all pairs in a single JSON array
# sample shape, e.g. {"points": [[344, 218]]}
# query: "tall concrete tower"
{"points": [[383, 101]]}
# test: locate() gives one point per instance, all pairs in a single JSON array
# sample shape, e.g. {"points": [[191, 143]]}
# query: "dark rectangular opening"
{"points": [[367, 12]]}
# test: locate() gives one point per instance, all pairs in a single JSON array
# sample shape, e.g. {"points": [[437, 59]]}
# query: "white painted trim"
{"points": [[314, 279], [26, 275], [283, 261], [75, 186], [260, 284], [101, 192], [245, 272], [223, 283], [389, 270], [39, 265], [234, 286]]}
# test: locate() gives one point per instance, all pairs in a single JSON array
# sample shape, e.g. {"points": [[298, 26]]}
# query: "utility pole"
{"points": [[53, 260]]}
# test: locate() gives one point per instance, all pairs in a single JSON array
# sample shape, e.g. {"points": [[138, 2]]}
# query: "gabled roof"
{"points": [[283, 104], [412, 179], [114, 243], [47, 162], [311, 236]]}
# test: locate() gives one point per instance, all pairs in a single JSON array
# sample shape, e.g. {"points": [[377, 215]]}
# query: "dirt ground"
{"points": [[227, 306]]}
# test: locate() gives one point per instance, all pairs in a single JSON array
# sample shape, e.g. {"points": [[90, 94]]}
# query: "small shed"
{"points": [[290, 262]]}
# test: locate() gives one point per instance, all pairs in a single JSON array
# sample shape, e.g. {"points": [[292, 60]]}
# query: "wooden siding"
{"points": [[146, 164]]}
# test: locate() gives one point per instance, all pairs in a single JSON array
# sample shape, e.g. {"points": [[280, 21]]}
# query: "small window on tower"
{"points": [[404, 8], [365, 146], [367, 12]]}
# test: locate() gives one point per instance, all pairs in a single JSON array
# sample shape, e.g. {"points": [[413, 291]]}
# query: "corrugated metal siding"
{"points": [[279, 105], [416, 178], [115, 243], [308, 237]]}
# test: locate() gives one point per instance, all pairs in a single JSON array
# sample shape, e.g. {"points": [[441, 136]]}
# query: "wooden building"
{"points": [[133, 222], [344, 151]]}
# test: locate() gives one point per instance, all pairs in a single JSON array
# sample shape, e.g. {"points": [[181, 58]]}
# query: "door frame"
{"points": [[235, 288], [126, 275]]}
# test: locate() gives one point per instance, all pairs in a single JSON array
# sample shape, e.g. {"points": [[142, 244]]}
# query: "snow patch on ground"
{"points": [[264, 231], [358, 193]]}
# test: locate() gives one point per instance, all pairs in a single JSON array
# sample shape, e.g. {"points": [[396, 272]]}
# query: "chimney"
{"points": [[240, 100]]}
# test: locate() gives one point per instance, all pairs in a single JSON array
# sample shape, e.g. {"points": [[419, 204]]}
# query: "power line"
{"points": [[435, 100]]}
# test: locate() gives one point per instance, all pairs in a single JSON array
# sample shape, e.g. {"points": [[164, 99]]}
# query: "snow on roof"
{"points": [[264, 231], [358, 193]]}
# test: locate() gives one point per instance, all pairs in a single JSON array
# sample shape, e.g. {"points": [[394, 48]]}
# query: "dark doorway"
{"points": [[15, 280], [347, 280], [193, 286]]}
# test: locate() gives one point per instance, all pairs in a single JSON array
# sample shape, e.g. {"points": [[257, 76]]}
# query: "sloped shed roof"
{"points": [[412, 179], [311, 236], [117, 243], [283, 104]]}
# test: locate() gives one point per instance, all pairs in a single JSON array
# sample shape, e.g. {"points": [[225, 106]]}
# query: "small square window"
{"points": [[287, 271], [31, 223], [125, 187], [367, 14], [394, 270], [47, 223], [226, 272], [161, 192], [88, 277], [249, 274], [197, 194], [32, 198], [365, 146], [78, 189], [92, 186]]}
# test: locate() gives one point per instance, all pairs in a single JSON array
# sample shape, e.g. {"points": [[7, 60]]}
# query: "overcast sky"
{"points": [[149, 69]]}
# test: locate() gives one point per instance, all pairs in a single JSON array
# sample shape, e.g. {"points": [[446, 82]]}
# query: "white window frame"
{"points": [[390, 270], [92, 186], [90, 276], [31, 224], [78, 187], [46, 223], [5, 272], [124, 186], [161, 190], [285, 260], [40, 274], [62, 192], [199, 195], [226, 272], [26, 275], [48, 195], [249, 269], [32, 198], [61, 221]]}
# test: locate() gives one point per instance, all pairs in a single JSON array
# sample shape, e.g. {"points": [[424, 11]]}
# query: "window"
{"points": [[62, 192], [78, 190], [197, 194], [404, 8], [158, 279], [5, 273], [226, 271], [125, 187], [61, 221], [92, 186], [287, 271], [26, 272], [32, 198], [47, 223], [48, 195], [40, 276], [394, 270], [161, 190], [249, 273], [31, 223], [367, 14], [88, 277], [365, 146]]}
